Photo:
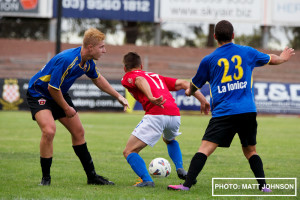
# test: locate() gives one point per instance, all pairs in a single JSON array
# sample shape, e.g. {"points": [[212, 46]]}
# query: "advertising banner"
{"points": [[270, 98], [285, 12], [211, 10], [279, 98], [26, 8], [263, 12], [130, 10], [85, 95]]}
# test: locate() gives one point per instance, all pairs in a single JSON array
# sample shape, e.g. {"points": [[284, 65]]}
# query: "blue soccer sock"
{"points": [[139, 167], [175, 153]]}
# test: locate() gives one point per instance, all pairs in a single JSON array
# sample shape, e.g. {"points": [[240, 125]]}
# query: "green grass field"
{"points": [[106, 136]]}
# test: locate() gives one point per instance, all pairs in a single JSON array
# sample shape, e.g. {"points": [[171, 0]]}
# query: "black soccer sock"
{"points": [[85, 159], [258, 170], [195, 168], [45, 165]]}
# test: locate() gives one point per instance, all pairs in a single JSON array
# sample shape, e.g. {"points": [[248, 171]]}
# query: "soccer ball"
{"points": [[159, 168]]}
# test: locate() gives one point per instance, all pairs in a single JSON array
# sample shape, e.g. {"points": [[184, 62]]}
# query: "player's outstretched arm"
{"points": [[286, 54], [104, 85], [183, 84], [144, 86]]}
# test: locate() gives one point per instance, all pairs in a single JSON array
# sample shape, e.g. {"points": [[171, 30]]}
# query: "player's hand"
{"points": [[70, 112], [188, 92], [158, 101], [205, 108], [124, 102], [287, 53]]}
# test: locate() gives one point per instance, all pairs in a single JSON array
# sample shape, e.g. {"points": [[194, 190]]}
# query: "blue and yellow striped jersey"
{"points": [[229, 72], [60, 73]]}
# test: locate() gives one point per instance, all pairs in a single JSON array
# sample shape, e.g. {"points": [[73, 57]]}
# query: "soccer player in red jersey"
{"points": [[162, 115]]}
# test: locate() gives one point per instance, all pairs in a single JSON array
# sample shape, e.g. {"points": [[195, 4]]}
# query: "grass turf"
{"points": [[106, 136]]}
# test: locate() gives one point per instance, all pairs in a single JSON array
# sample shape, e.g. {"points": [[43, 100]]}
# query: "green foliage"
{"points": [[249, 40], [106, 136], [28, 28], [295, 42], [79, 26], [200, 39]]}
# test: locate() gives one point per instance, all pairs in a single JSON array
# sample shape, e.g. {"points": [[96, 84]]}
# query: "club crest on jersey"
{"points": [[129, 80], [11, 95], [42, 101], [84, 67]]}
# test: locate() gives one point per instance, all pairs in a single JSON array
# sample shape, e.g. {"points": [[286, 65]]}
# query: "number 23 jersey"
{"points": [[229, 72], [160, 86]]}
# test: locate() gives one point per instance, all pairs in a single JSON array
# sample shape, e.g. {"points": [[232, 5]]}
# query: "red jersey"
{"points": [[160, 86]]}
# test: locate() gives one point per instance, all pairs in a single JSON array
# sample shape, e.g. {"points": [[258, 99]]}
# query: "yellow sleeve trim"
{"points": [[54, 87], [269, 59], [96, 78], [195, 85]]}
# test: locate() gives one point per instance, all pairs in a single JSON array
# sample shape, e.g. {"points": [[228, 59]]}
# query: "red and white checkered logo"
{"points": [[11, 93]]}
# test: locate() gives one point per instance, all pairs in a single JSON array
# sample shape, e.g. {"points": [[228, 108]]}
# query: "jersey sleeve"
{"points": [[128, 81], [170, 82], [59, 73], [259, 58], [202, 74], [92, 71]]}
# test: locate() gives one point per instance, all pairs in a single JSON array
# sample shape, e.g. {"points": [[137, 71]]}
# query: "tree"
{"points": [[254, 40], [200, 39], [295, 41], [29, 28]]}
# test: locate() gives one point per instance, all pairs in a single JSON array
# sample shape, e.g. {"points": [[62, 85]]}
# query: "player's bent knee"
{"points": [[48, 133], [167, 142], [248, 154], [126, 153], [78, 134]]}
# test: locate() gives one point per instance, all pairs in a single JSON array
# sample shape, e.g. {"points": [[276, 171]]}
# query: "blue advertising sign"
{"points": [[270, 98], [128, 10], [277, 98], [184, 102]]}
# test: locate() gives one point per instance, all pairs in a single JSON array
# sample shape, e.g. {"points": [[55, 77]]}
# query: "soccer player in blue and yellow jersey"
{"points": [[48, 100], [229, 72]]}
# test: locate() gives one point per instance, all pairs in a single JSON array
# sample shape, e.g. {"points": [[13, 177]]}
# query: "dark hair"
{"points": [[224, 31], [132, 60]]}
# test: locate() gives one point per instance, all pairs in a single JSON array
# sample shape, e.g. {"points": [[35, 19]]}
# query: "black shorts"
{"points": [[221, 130], [41, 103]]}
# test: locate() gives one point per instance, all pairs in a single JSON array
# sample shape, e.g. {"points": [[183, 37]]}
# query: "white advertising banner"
{"points": [[26, 8], [211, 10], [286, 12]]}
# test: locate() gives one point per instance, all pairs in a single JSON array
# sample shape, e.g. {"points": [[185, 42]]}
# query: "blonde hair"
{"points": [[92, 36]]}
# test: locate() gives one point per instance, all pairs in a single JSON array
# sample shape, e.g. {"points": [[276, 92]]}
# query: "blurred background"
{"points": [[172, 36]]}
